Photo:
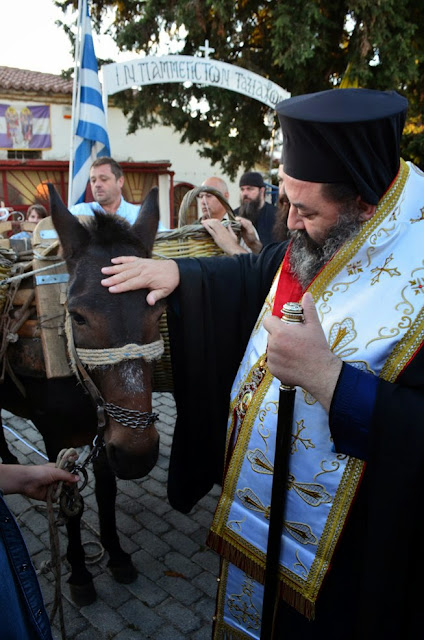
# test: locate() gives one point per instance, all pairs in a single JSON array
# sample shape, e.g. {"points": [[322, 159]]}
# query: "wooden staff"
{"points": [[292, 312]]}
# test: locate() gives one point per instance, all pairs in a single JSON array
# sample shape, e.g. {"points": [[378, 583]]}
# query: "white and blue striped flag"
{"points": [[90, 137]]}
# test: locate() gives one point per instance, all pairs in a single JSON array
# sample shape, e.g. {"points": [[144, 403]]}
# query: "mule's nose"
{"points": [[129, 466]]}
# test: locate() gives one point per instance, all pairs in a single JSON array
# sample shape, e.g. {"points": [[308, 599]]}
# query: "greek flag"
{"points": [[90, 137]]}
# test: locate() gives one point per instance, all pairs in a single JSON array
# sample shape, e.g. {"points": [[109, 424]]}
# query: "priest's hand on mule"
{"points": [[299, 355], [128, 273]]}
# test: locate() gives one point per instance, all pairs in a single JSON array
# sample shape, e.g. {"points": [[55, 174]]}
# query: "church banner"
{"points": [[143, 71], [24, 126]]}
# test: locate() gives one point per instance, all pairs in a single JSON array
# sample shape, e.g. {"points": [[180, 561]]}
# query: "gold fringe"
{"points": [[303, 605], [236, 557], [288, 593], [223, 631]]}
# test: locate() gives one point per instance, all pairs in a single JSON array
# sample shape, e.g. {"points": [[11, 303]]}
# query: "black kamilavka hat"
{"points": [[344, 135], [251, 179]]}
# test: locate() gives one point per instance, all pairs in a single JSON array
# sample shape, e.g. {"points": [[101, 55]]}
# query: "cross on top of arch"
{"points": [[206, 49]]}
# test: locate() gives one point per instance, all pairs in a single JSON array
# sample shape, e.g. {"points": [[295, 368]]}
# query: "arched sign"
{"points": [[196, 70]]}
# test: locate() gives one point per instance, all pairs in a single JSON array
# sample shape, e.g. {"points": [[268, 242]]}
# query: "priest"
{"points": [[349, 566]]}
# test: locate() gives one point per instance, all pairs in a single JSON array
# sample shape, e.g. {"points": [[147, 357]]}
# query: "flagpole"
{"points": [[82, 10], [105, 95], [90, 136]]}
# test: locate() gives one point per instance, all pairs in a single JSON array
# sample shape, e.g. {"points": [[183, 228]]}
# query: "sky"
{"points": [[34, 42]]}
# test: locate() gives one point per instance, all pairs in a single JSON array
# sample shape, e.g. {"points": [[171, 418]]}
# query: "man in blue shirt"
{"points": [[107, 180]]}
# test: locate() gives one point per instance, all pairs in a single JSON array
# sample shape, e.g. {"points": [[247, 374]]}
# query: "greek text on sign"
{"points": [[164, 69]]}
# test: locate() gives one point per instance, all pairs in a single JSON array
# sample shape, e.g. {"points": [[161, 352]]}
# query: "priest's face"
{"points": [[309, 210], [317, 226]]}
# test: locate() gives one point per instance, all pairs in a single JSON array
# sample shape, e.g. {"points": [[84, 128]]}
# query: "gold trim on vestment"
{"points": [[261, 363], [221, 630], [251, 559], [318, 286], [404, 350]]}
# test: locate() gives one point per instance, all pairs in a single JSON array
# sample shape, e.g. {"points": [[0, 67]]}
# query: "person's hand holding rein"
{"points": [[32, 480], [129, 273]]}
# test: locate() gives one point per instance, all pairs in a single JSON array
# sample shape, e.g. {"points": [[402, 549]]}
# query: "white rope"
{"points": [[65, 460], [92, 358], [99, 357]]}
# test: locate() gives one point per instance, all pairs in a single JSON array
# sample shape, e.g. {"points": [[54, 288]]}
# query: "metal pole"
{"points": [[292, 313], [82, 10]]}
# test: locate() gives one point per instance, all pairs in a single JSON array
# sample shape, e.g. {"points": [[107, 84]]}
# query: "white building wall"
{"points": [[149, 145], [163, 144]]}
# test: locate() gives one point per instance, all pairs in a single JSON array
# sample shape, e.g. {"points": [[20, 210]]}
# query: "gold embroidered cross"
{"points": [[384, 269], [307, 442], [417, 285], [354, 267], [242, 608]]}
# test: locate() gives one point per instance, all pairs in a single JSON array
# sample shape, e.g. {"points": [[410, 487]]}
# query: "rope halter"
{"points": [[92, 358]]}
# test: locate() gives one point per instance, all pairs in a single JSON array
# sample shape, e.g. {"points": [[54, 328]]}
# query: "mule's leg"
{"points": [[80, 581], [120, 562], [5, 454]]}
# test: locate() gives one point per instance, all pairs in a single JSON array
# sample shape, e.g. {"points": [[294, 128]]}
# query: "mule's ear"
{"points": [[146, 225], [72, 234]]}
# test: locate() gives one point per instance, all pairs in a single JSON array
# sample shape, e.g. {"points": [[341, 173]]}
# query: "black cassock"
{"points": [[374, 588]]}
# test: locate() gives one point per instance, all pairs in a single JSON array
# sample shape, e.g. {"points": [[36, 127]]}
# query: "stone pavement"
{"points": [[173, 597]]}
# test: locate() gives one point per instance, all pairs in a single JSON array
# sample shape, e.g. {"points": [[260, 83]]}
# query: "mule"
{"points": [[61, 409]]}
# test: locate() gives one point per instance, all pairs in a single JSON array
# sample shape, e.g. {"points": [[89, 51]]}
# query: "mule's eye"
{"points": [[78, 318]]}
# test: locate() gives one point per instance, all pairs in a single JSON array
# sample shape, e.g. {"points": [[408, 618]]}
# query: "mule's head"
{"points": [[105, 322]]}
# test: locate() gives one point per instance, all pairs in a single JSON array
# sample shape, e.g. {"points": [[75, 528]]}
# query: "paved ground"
{"points": [[173, 597]]}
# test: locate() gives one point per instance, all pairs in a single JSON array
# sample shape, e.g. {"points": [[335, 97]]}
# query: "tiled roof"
{"points": [[12, 79]]}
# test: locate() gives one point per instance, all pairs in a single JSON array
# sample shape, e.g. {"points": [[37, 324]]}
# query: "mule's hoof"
{"points": [[124, 573], [83, 594]]}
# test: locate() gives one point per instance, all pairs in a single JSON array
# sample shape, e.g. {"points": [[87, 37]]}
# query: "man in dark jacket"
{"points": [[254, 207]]}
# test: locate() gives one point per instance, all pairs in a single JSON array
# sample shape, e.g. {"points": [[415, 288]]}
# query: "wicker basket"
{"points": [[188, 241], [7, 258]]}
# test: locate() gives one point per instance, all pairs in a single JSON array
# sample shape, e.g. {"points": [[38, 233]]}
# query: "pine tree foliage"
{"points": [[301, 45]]}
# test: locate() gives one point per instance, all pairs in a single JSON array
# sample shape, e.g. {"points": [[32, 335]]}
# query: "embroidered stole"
{"points": [[370, 304]]}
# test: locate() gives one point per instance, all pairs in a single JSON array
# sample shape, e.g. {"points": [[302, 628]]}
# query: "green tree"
{"points": [[302, 45]]}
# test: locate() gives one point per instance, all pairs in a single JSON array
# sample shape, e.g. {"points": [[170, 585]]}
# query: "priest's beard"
{"points": [[250, 209], [307, 257]]}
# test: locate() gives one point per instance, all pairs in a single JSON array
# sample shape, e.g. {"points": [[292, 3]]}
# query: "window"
{"points": [[19, 154]]}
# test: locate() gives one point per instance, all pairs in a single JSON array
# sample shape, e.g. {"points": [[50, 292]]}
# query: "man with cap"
{"points": [[350, 563], [254, 207]]}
